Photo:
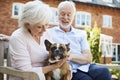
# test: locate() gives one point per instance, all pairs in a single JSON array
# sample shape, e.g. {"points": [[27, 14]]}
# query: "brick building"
{"points": [[105, 12]]}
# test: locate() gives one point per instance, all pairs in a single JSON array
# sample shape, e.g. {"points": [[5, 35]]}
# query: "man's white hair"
{"points": [[35, 12], [67, 3]]}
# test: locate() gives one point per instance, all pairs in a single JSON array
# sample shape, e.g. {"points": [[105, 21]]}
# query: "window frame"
{"points": [[85, 0], [79, 20], [106, 45], [115, 46], [17, 10], [108, 1], [54, 19], [107, 21]]}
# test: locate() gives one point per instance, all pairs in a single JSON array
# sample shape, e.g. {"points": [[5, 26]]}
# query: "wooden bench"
{"points": [[27, 75], [6, 69]]}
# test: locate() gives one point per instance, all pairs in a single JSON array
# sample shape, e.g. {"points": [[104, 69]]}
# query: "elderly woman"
{"points": [[26, 44]]}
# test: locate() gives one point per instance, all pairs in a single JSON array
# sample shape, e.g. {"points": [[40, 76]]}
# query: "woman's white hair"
{"points": [[35, 12], [67, 3]]}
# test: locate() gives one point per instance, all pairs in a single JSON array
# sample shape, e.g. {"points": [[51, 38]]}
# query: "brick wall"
{"points": [[105, 60], [8, 24], [97, 12]]}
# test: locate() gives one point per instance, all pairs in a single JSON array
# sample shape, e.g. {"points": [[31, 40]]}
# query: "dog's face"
{"points": [[56, 51]]}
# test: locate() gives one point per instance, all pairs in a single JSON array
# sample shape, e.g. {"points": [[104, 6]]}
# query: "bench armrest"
{"points": [[110, 66], [23, 74]]}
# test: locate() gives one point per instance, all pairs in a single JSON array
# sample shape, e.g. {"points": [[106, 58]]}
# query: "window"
{"points": [[109, 1], [54, 19], [107, 21], [106, 44], [88, 0], [118, 1], [16, 10], [83, 19], [84, 0], [116, 52]]}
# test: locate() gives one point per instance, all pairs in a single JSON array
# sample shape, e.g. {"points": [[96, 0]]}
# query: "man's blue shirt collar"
{"points": [[72, 29]]}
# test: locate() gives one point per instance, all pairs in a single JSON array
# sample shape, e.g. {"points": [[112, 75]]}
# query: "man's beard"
{"points": [[65, 25]]}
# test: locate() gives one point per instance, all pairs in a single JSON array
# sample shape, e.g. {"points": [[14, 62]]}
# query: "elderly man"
{"points": [[80, 56]]}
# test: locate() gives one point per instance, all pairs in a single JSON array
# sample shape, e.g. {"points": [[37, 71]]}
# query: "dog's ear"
{"points": [[68, 46], [47, 44]]}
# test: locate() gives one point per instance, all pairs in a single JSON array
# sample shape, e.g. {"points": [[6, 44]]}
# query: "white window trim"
{"points": [[107, 25], [20, 6], [54, 19], [115, 45], [118, 1], [82, 13], [84, 0], [108, 1], [106, 44]]}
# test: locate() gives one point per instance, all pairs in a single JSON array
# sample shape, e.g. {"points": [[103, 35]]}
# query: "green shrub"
{"points": [[93, 37]]}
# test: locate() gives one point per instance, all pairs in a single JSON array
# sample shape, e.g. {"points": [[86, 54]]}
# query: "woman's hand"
{"points": [[61, 62], [4, 37], [49, 68]]}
